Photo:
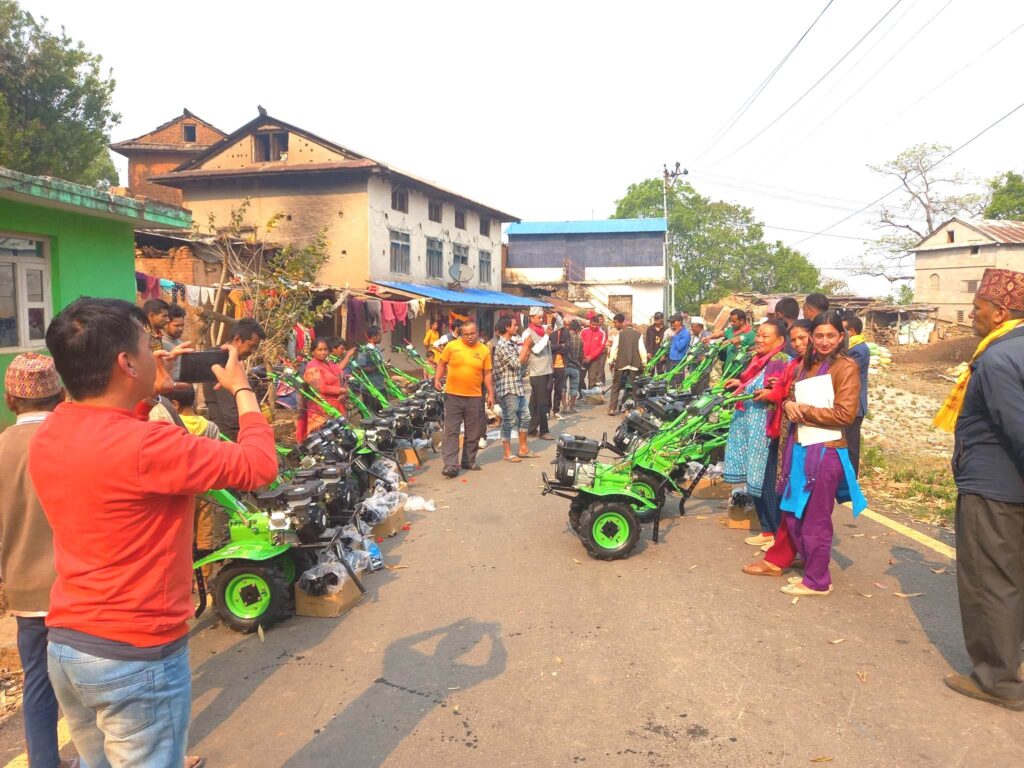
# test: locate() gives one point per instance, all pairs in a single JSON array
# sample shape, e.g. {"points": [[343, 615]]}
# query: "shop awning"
{"points": [[474, 296]]}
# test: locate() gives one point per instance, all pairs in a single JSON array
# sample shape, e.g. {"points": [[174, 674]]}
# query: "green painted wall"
{"points": [[89, 256]]}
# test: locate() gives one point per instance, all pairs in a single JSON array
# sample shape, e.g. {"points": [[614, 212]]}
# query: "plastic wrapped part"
{"points": [[386, 470], [419, 504], [326, 578], [352, 535], [378, 507], [740, 498], [715, 471], [358, 560]]}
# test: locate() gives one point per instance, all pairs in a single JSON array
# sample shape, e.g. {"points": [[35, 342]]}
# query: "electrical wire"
{"points": [[965, 67], [718, 176], [915, 176], [811, 232], [817, 82], [867, 82], [719, 134]]}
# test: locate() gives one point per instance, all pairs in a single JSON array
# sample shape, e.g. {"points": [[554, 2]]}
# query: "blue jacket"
{"points": [[862, 356], [988, 456], [680, 344]]}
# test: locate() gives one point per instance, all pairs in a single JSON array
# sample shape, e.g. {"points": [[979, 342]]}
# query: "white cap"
{"points": [[536, 311]]}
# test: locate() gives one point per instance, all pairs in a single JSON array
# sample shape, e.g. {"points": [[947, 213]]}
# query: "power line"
{"points": [[875, 74], [917, 175], [811, 232], [735, 117], [714, 176], [966, 66], [817, 82]]}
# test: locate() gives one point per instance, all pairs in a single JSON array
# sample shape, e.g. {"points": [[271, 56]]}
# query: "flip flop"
{"points": [[761, 569], [513, 459], [528, 455]]}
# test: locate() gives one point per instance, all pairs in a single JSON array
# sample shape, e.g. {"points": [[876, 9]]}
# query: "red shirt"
{"points": [[594, 342], [118, 492]]}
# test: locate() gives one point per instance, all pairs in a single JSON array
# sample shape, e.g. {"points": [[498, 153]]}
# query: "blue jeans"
{"points": [[40, 704], [515, 415], [124, 713], [572, 379]]}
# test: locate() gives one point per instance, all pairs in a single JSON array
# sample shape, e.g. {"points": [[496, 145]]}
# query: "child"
{"points": [[185, 404]]}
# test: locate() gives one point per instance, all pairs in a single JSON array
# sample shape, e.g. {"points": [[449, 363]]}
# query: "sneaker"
{"points": [[758, 540], [482, 442]]}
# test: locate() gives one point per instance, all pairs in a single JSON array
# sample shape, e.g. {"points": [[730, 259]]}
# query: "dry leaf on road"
{"points": [[838, 641], [863, 675], [880, 586], [577, 561], [822, 759], [939, 570], [908, 594], [794, 601]]}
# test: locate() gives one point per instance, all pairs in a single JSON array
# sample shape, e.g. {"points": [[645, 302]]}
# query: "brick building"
{"points": [[162, 150]]}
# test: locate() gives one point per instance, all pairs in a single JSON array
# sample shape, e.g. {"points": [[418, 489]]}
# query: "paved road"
{"points": [[501, 643]]}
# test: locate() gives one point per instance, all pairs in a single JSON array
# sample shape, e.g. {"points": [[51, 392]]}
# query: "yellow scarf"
{"points": [[946, 418], [857, 338]]}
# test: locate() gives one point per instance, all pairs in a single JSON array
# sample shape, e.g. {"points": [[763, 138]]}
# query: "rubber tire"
{"points": [[576, 508], [592, 513], [280, 606], [650, 515]]}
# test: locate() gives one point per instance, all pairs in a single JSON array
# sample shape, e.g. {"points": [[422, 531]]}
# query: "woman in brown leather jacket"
{"points": [[814, 476]]}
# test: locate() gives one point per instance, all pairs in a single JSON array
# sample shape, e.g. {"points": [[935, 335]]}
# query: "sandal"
{"points": [[799, 590], [761, 568], [528, 455], [192, 761], [514, 459]]}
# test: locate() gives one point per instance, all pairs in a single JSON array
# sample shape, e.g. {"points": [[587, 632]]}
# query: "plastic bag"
{"points": [[419, 504], [326, 578], [378, 507], [353, 534], [358, 560], [386, 470]]}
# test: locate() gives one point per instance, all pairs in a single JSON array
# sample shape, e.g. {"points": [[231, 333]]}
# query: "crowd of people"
{"points": [[107, 453]]}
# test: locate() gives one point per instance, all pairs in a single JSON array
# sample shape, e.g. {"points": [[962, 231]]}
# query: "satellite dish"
{"points": [[460, 273]]}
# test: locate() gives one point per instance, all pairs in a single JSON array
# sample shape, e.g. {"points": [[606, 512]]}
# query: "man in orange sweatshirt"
{"points": [[118, 492]]}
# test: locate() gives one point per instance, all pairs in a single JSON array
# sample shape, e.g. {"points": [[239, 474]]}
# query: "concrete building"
{"points": [[162, 150], [60, 241], [951, 260], [610, 265]]}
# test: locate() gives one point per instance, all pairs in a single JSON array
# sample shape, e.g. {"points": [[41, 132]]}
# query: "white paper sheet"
{"points": [[817, 392]]}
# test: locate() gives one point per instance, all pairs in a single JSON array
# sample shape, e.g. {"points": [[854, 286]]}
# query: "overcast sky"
{"points": [[549, 110]]}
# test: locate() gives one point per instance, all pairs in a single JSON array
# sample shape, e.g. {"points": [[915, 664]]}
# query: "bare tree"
{"points": [[928, 198]]}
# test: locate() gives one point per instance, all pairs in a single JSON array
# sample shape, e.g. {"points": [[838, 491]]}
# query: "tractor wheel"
{"points": [[294, 563], [248, 596], [649, 488], [576, 507], [609, 530]]}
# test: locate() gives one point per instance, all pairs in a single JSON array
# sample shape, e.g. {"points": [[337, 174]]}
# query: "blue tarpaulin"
{"points": [[464, 296]]}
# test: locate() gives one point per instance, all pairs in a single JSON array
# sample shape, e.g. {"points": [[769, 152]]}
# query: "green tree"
{"points": [[55, 103], [1007, 197], [716, 248]]}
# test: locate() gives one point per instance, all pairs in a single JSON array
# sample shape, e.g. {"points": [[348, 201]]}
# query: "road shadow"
{"points": [[283, 644], [413, 682], [938, 606]]}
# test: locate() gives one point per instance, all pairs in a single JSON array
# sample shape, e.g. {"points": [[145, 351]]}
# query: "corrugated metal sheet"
{"points": [[595, 227], [465, 296], [1001, 231]]}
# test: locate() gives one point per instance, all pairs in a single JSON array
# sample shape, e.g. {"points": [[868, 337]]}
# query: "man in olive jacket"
{"points": [[627, 354]]}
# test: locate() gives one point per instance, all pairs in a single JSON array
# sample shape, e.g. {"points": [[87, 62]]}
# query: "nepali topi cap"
{"points": [[1003, 287], [31, 376]]}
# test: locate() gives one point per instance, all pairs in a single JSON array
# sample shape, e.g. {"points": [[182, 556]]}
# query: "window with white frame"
{"points": [[485, 267], [24, 292], [435, 257], [400, 261], [460, 254]]}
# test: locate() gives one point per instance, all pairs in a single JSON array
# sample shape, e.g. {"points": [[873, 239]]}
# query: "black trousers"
{"points": [[990, 582], [852, 433], [40, 702], [557, 389], [540, 403], [465, 414]]}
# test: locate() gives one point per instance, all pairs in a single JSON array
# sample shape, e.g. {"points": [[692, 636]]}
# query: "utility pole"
{"points": [[668, 180]]}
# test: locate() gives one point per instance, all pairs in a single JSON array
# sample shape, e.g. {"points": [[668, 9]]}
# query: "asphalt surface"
{"points": [[499, 642]]}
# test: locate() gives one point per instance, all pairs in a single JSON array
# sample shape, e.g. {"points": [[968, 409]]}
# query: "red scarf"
{"points": [[757, 364], [540, 330]]}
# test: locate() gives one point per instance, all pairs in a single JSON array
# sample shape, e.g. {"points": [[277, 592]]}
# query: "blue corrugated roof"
{"points": [[465, 296], [597, 226]]}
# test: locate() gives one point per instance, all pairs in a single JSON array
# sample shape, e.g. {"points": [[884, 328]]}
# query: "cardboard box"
{"points": [[712, 489], [327, 606], [392, 525], [410, 456], [742, 518]]}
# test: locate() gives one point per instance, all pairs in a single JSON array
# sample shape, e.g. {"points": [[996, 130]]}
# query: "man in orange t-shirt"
{"points": [[467, 365]]}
